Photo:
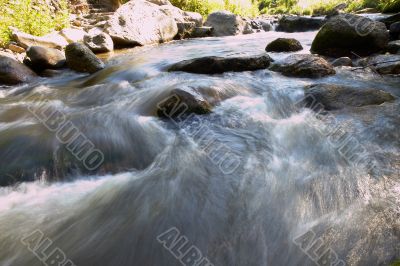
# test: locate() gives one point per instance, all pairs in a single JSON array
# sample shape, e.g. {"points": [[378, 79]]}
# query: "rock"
{"points": [[299, 24], [217, 65], [333, 97], [53, 40], [98, 41], [394, 30], [185, 30], [15, 48], [138, 23], [385, 64], [160, 2], [304, 66], [224, 23], [367, 11], [73, 35], [342, 61], [393, 47], [265, 25], [347, 33], [201, 32], [183, 101], [80, 58], [13, 72], [40, 58], [193, 17], [181, 16], [284, 45], [49, 73], [248, 28]]}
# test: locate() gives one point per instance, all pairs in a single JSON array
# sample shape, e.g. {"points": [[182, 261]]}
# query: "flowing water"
{"points": [[283, 177]]}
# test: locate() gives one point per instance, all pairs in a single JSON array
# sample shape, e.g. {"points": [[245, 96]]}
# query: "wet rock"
{"points": [[304, 65], [13, 72], [394, 30], [138, 23], [40, 58], [183, 101], [201, 32], [347, 33], [80, 58], [49, 73], [225, 23], [299, 24], [385, 64], [342, 61], [217, 65], [98, 41], [333, 97], [390, 20], [393, 47], [52, 40], [73, 35], [284, 45]]}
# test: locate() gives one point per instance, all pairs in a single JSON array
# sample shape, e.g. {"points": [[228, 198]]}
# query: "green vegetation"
{"points": [[31, 17], [396, 263], [205, 7]]}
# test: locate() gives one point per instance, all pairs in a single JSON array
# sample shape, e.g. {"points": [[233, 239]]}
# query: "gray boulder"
{"points": [[80, 58], [225, 23], [52, 40], [299, 24], [394, 30], [346, 33], [385, 64], [40, 58], [98, 41], [13, 72], [183, 101], [217, 65], [140, 22], [73, 35], [333, 97], [284, 45], [304, 66]]}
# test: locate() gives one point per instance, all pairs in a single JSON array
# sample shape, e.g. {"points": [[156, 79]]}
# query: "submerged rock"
{"points": [[140, 22], [304, 66], [217, 65], [13, 72], [225, 23], [40, 58], [80, 58], [284, 45], [98, 41], [333, 97], [299, 24], [342, 61], [183, 101], [346, 33]]}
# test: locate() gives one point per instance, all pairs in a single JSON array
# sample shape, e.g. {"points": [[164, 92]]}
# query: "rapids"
{"points": [[286, 178]]}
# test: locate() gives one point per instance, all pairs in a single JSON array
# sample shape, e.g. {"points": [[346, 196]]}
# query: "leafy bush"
{"points": [[31, 17], [205, 7]]}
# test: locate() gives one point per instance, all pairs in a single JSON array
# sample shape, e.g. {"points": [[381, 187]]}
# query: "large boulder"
{"points": [[304, 66], [217, 65], [73, 35], [183, 101], [181, 16], [13, 72], [98, 41], [140, 22], [299, 24], [80, 58], [284, 45], [224, 23], [346, 33], [333, 97], [52, 40], [40, 58]]}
